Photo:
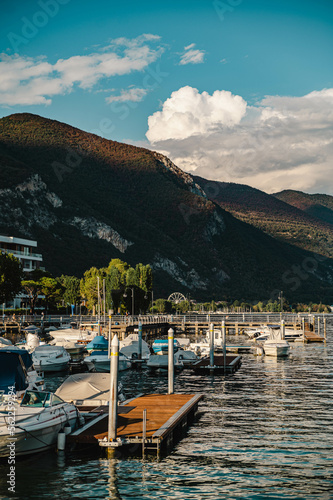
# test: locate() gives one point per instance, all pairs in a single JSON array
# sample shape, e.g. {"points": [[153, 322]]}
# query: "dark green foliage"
{"points": [[11, 274]]}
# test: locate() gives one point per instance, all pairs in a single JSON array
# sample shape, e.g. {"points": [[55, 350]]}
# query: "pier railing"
{"points": [[129, 320]]}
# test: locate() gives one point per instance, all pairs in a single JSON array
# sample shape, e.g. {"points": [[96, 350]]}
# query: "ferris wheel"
{"points": [[176, 297]]}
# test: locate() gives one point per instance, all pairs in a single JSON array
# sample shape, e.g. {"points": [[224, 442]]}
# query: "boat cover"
{"points": [[11, 370], [99, 342], [82, 386]]}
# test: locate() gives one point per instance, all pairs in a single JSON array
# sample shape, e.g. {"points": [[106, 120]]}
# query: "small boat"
{"points": [[87, 390], [200, 348], [263, 333], [39, 418], [186, 356], [71, 346], [276, 346], [50, 358], [99, 343], [161, 346], [160, 362], [130, 347], [73, 334], [99, 361]]}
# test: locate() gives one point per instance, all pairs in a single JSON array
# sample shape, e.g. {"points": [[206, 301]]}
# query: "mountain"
{"points": [[292, 217], [87, 200], [316, 205]]}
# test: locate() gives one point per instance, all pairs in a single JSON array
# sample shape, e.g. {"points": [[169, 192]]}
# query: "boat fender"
{"points": [[61, 441]]}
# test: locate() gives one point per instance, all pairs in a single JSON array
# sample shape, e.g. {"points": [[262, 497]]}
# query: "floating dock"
{"points": [[202, 366], [146, 424]]}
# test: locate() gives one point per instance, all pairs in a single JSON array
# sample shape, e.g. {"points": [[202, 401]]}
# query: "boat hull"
{"points": [[34, 439], [277, 351]]}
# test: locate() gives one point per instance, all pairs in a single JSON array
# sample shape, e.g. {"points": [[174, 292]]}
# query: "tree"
{"points": [[51, 289], [11, 274], [71, 286], [33, 286]]}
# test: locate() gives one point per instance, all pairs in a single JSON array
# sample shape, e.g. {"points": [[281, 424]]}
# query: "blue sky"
{"points": [[118, 69]]}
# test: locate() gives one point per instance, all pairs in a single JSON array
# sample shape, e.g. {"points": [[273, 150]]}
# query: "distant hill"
{"points": [[293, 217], [316, 205], [87, 200]]}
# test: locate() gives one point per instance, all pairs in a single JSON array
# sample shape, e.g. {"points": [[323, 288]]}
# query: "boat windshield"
{"points": [[36, 399]]}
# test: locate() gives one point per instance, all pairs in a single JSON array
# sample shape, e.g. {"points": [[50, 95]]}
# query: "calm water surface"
{"points": [[263, 433]]}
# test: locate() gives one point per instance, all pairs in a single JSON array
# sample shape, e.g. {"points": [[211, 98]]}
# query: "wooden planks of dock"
{"points": [[166, 416]]}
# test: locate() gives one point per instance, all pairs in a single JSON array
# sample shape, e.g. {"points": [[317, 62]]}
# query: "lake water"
{"points": [[263, 433]]}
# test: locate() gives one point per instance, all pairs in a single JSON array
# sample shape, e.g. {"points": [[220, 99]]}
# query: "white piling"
{"points": [[224, 348], [171, 360], [144, 430], [113, 401], [211, 345], [283, 329], [109, 336], [325, 329], [140, 340], [318, 325]]}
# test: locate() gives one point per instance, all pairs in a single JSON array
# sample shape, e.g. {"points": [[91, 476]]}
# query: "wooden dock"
{"points": [[167, 419], [310, 336]]}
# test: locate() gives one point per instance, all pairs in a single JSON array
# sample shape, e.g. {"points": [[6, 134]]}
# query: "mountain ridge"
{"points": [[86, 200]]}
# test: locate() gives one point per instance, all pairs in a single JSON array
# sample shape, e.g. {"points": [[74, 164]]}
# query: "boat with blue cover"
{"points": [[160, 346], [99, 343]]}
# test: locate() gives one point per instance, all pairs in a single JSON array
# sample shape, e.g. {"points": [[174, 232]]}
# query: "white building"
{"points": [[25, 251]]}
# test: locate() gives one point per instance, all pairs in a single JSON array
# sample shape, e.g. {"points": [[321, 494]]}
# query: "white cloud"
{"points": [[188, 113], [27, 80], [281, 143], [192, 55], [134, 95]]}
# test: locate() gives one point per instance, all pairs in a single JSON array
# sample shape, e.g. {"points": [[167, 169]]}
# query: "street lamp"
{"points": [[125, 295], [152, 299]]}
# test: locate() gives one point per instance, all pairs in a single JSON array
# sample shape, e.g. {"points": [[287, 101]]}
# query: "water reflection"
{"points": [[109, 468], [264, 433]]}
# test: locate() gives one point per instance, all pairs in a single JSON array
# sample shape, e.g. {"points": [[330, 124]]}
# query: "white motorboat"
{"points": [[276, 346], [200, 348], [87, 389], [160, 362], [73, 334], [38, 420], [99, 361], [130, 347], [50, 358], [71, 346], [263, 333]]}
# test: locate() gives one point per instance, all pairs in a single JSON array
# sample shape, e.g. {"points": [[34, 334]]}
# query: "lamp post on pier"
{"points": [[125, 295], [152, 298]]}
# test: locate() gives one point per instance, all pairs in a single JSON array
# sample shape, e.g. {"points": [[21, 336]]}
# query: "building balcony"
{"points": [[19, 254]]}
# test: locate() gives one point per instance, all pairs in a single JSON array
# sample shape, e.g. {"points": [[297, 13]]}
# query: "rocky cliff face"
{"points": [[87, 200]]}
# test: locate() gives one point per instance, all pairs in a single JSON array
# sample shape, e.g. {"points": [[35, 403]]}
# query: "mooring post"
{"points": [[140, 341], [211, 347], [113, 401], [325, 329], [224, 348], [109, 336], [144, 431], [171, 360], [283, 329], [318, 325]]}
